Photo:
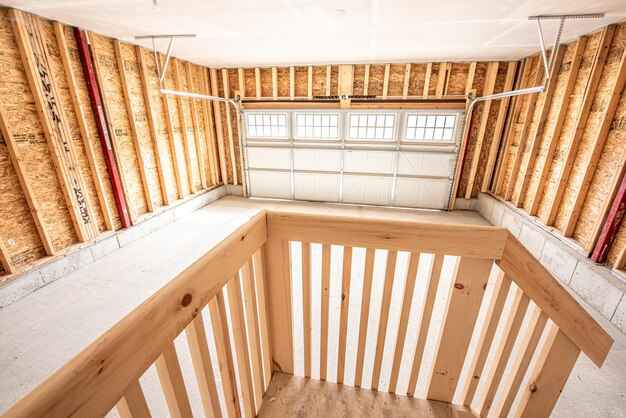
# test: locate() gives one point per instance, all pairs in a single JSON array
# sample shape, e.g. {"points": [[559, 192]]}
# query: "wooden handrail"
{"points": [[96, 379], [561, 307]]}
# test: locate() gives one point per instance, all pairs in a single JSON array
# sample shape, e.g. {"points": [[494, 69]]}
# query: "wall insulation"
{"points": [[55, 189]]}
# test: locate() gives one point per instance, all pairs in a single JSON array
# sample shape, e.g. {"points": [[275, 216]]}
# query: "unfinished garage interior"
{"points": [[312, 208]]}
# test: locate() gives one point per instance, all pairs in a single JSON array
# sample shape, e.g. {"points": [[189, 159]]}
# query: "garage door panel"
{"points": [[380, 162], [423, 193], [317, 159], [261, 157], [425, 164], [370, 190], [322, 187], [270, 184]]}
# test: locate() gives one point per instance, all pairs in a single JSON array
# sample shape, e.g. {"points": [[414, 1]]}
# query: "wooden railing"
{"points": [[260, 262]]}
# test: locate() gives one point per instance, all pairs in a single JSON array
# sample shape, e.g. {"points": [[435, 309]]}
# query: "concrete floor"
{"points": [[42, 331]]}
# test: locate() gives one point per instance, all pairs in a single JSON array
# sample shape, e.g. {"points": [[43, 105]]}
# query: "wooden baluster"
{"points": [[171, 379], [427, 312], [133, 404], [390, 272], [500, 292], [524, 356], [407, 301], [259, 283], [365, 309], [217, 309], [199, 348], [306, 305], [278, 265], [554, 365], [464, 299], [238, 329], [511, 329], [345, 303], [252, 320], [325, 303]]}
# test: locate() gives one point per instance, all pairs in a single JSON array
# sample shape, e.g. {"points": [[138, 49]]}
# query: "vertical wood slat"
{"points": [[257, 82], [196, 127], [494, 312], [536, 135], [384, 317], [241, 352], [407, 301], [172, 383], [306, 306], [211, 131], [241, 79], [442, 78], [260, 286], [117, 47], [278, 281], [365, 309], [599, 140], [407, 79], [59, 33], [507, 341], [522, 361], [274, 83], [386, 81], [427, 311], [324, 310], [581, 121], [554, 365], [465, 296], [152, 122], [498, 129], [343, 314], [199, 349], [366, 79], [217, 110], [345, 84], [328, 79], [310, 82], [229, 125], [553, 134], [252, 321], [133, 404], [429, 68], [292, 84], [223, 350], [29, 194]]}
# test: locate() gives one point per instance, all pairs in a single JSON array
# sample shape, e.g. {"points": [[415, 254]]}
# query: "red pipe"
{"points": [[98, 112], [611, 225]]}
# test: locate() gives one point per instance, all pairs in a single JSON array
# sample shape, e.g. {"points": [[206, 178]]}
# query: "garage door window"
{"points": [[371, 127], [267, 125], [317, 126], [430, 128]]}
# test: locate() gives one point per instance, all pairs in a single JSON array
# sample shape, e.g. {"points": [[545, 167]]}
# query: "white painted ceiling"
{"points": [[299, 32]]}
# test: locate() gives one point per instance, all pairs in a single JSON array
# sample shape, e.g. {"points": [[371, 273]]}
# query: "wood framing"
{"points": [[217, 110], [229, 126], [183, 125], [196, 128]]}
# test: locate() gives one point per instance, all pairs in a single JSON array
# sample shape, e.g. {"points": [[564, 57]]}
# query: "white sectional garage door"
{"points": [[386, 158]]}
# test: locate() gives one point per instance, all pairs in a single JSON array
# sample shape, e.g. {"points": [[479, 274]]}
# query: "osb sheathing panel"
{"points": [[283, 81], [434, 75], [590, 135], [140, 116], [23, 120], [377, 76], [396, 79], [358, 79], [189, 127], [266, 83], [163, 138], [319, 81], [175, 118], [301, 81], [551, 119], [618, 244], [198, 87], [118, 119], [249, 82], [567, 131], [65, 102], [16, 222], [417, 79], [457, 80], [334, 80], [90, 124]]}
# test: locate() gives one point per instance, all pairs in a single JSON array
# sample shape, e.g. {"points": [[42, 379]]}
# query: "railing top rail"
{"points": [[92, 382]]}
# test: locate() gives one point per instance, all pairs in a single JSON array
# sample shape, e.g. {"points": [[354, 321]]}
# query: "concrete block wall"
{"points": [[81, 255], [595, 284]]}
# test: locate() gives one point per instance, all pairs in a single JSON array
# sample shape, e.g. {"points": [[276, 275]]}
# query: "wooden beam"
{"points": [[292, 83], [407, 78], [275, 83], [152, 122], [209, 124], [525, 132], [536, 135], [366, 80], [386, 81], [310, 82], [429, 69], [217, 110], [196, 127], [59, 32], [490, 83], [599, 139], [471, 72], [442, 78], [499, 126], [581, 122], [552, 135], [229, 125], [53, 122], [133, 126], [182, 116], [257, 82], [241, 78], [101, 124], [328, 79], [5, 258], [346, 84], [29, 194]]}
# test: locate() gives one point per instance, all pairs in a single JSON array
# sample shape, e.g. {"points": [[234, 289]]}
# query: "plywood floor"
{"points": [[292, 396]]}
